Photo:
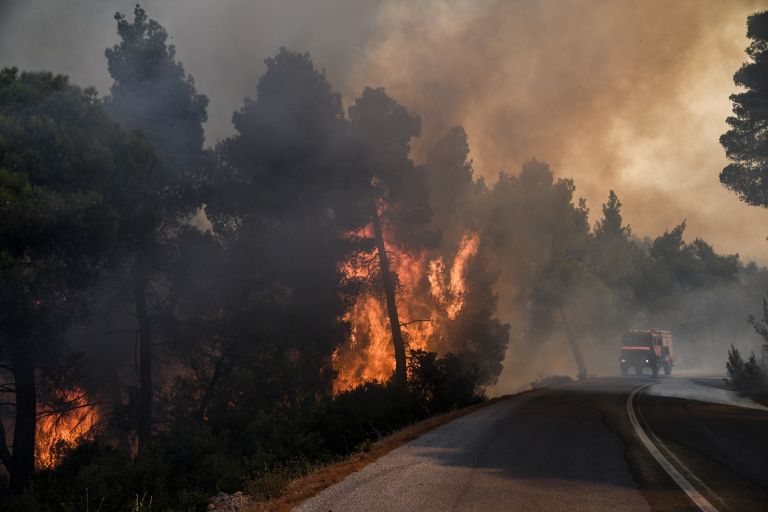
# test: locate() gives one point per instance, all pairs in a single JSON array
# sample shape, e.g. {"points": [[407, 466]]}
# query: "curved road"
{"points": [[572, 448]]}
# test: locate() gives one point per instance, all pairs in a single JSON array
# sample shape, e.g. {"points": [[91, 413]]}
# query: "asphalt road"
{"points": [[572, 448]]}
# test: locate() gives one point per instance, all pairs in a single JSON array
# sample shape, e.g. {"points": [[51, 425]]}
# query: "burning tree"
{"points": [[438, 295], [70, 418], [397, 188]]}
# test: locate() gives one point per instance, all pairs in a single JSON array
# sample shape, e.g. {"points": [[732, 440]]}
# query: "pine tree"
{"points": [[152, 93], [610, 226], [746, 144]]}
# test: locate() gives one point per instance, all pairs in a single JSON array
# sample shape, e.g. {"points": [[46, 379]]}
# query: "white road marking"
{"points": [[700, 501]]}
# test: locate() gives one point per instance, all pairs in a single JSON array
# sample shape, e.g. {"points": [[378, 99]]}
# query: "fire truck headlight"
{"points": [[623, 360], [646, 360]]}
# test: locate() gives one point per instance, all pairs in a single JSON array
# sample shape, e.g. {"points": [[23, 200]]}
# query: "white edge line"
{"points": [[695, 496]]}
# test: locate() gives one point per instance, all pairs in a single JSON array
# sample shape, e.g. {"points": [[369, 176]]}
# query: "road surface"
{"points": [[574, 448]]}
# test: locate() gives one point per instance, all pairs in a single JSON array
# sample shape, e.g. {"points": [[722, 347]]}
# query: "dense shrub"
{"points": [[443, 383], [747, 376]]}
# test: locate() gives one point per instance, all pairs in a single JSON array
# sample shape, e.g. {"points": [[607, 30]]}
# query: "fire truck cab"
{"points": [[642, 349]]}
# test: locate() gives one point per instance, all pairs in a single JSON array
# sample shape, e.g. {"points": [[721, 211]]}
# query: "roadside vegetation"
{"points": [[750, 376], [187, 319]]}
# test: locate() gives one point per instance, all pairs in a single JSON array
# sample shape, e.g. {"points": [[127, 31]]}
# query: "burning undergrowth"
{"points": [[70, 419]]}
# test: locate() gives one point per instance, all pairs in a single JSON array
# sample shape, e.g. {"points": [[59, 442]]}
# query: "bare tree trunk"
{"points": [[389, 291], [574, 346], [23, 458], [145, 347]]}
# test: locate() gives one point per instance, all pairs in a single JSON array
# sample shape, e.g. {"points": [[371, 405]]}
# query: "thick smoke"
{"points": [[627, 95]]}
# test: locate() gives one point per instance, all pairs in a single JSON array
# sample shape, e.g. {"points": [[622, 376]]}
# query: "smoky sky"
{"points": [[621, 95]]}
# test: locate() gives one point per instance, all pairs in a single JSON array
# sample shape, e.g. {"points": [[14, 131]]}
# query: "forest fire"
{"points": [[65, 427], [429, 293]]}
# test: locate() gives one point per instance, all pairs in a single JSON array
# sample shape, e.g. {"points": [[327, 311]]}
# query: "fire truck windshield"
{"points": [[638, 339]]}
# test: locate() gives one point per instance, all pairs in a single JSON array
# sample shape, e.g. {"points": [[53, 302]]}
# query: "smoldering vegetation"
{"points": [[228, 312]]}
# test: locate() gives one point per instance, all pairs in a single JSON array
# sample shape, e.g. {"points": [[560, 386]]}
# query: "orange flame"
{"points": [[60, 430], [428, 294], [449, 289]]}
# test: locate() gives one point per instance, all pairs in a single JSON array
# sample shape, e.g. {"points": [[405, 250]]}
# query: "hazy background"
{"points": [[624, 95]]}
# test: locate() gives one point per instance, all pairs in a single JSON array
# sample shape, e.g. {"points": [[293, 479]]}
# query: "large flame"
{"points": [[429, 293], [449, 289], [61, 429]]}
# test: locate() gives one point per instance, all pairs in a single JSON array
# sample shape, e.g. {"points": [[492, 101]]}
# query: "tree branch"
{"points": [[69, 408], [415, 321]]}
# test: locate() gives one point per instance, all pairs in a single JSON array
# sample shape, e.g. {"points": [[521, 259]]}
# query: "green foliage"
{"points": [[745, 142], [66, 176]]}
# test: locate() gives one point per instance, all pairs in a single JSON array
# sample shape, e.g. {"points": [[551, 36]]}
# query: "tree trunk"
{"points": [[23, 457], [145, 347], [765, 331], [574, 346], [5, 454], [389, 292]]}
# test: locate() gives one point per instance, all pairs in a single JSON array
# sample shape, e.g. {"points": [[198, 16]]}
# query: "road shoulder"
{"points": [[331, 474]]}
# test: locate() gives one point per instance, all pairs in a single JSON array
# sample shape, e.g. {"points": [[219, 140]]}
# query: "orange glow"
{"points": [[64, 429], [428, 295]]}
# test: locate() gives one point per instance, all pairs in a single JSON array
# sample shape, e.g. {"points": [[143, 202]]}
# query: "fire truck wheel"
{"points": [[655, 370], [624, 370]]}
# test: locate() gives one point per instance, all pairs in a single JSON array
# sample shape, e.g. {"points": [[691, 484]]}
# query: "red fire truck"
{"points": [[642, 349]]}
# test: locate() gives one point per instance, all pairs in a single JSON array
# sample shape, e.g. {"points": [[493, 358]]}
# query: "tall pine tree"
{"points": [[746, 144], [152, 93]]}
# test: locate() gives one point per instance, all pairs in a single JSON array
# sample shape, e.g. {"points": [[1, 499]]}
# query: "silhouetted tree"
{"points": [[533, 221], [745, 143], [281, 204], [151, 92], [616, 260], [453, 193], [610, 226]]}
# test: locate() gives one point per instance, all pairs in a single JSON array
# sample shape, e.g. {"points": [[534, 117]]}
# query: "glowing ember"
{"points": [[61, 430], [428, 294]]}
